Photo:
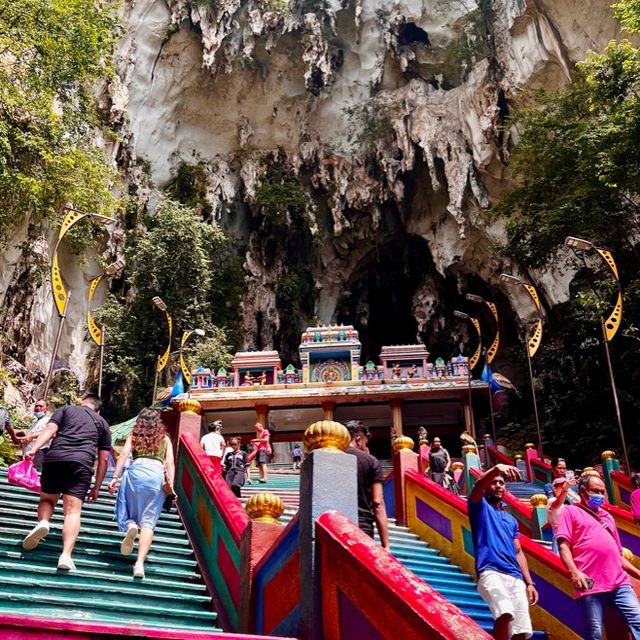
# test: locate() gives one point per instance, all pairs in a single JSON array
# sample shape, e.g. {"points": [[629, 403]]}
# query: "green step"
{"points": [[30, 566], [83, 611], [48, 557]]}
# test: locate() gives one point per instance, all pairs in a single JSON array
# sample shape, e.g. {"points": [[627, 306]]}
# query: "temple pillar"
{"points": [[328, 482], [467, 414], [610, 464], [396, 417], [190, 420], [328, 409], [538, 514], [264, 509], [262, 414], [403, 458]]}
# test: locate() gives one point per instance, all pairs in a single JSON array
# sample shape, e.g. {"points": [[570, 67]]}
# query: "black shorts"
{"points": [[67, 478], [262, 457]]}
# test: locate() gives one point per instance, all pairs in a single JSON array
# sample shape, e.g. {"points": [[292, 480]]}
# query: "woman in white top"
{"points": [[213, 445]]}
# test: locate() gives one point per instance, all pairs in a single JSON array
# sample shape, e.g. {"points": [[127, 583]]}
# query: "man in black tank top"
{"points": [[77, 432]]}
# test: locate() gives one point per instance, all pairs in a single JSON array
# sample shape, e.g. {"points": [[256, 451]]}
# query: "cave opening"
{"points": [[378, 299], [410, 33]]}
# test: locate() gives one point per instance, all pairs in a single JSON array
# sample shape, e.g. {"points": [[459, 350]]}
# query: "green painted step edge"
{"points": [[39, 596], [124, 563], [54, 612], [63, 581], [109, 552], [112, 533], [7, 566]]}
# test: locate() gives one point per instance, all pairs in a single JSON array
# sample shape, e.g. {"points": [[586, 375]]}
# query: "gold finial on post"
{"points": [[403, 442], [538, 500], [469, 448], [457, 466], [608, 455], [265, 507], [529, 445], [518, 456], [326, 435], [187, 405]]}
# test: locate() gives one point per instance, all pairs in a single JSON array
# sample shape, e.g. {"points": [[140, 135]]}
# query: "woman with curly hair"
{"points": [[141, 495]]}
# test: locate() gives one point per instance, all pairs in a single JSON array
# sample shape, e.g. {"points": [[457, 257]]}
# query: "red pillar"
{"points": [[402, 460]]}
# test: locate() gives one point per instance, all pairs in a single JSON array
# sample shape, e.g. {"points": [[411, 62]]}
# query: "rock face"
{"points": [[388, 112]]}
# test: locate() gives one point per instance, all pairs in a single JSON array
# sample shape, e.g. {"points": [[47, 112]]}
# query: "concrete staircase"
{"points": [[102, 590]]}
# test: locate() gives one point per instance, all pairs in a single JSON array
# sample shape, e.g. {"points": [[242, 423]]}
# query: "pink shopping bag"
{"points": [[24, 474]]}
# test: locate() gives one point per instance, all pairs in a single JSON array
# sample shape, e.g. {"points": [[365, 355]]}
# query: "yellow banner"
{"points": [[535, 340], [476, 356], [612, 323], [57, 286]]}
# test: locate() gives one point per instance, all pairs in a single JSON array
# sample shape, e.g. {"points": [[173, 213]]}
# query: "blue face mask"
{"points": [[39, 414], [595, 501]]}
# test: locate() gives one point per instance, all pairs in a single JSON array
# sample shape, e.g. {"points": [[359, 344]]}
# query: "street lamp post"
{"points": [[609, 327], [490, 353], [164, 358], [183, 365], [60, 294], [472, 362], [99, 333], [533, 342]]}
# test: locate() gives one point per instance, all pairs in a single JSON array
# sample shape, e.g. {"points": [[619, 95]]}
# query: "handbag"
{"points": [[24, 474], [167, 488]]}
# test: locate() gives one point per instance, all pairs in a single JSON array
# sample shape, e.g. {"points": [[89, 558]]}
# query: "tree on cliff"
{"points": [[52, 54], [578, 165]]}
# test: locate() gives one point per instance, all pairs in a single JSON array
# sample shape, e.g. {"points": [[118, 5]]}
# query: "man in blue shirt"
{"points": [[504, 581]]}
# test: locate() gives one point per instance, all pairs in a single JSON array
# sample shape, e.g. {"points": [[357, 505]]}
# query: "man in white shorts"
{"points": [[504, 581]]}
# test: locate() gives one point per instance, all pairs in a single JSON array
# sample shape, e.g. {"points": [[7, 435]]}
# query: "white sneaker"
{"points": [[32, 539], [66, 563], [138, 570], [130, 537]]}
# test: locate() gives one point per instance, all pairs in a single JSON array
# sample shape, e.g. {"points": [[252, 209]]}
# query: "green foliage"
{"points": [[577, 168], [53, 52], [371, 121], [211, 352], [190, 187], [179, 259], [65, 389], [628, 12]]}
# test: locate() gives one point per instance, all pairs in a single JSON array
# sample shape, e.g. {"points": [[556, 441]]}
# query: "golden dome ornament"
{"points": [[403, 442], [538, 500], [608, 455], [265, 507], [187, 405], [326, 435]]}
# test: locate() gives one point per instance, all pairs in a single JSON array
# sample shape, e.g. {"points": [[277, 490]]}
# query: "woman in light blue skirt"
{"points": [[141, 495]]}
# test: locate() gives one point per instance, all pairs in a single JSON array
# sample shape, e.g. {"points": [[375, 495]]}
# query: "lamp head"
{"points": [[461, 314], [157, 300], [200, 332], [472, 297], [578, 243], [507, 278], [114, 268]]}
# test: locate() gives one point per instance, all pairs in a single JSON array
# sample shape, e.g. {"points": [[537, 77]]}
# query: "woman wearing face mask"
{"points": [[41, 419]]}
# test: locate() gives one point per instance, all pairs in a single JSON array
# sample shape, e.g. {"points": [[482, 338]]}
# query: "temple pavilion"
{"points": [[401, 393]]}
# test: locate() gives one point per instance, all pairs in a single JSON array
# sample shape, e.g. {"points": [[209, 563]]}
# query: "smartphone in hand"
{"points": [[570, 475], [590, 582]]}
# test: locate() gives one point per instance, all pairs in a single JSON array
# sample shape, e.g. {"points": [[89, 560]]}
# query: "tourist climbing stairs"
{"points": [[102, 590], [426, 563]]}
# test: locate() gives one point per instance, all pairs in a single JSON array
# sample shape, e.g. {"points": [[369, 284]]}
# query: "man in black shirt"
{"points": [[370, 498], [67, 470]]}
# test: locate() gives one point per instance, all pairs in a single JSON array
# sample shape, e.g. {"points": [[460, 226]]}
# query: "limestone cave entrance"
{"points": [[378, 300]]}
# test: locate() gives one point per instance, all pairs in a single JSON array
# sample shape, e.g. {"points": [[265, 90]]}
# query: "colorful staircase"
{"points": [[102, 590], [426, 563], [524, 490]]}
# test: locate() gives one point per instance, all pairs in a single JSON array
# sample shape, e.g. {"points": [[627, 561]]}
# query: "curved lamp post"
{"points": [[99, 333], [473, 361], [533, 341], [60, 294], [183, 365], [491, 352], [609, 326], [162, 360]]}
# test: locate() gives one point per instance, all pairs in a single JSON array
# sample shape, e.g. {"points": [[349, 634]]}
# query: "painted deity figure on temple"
{"points": [[396, 371], [413, 371], [263, 378], [248, 379]]}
